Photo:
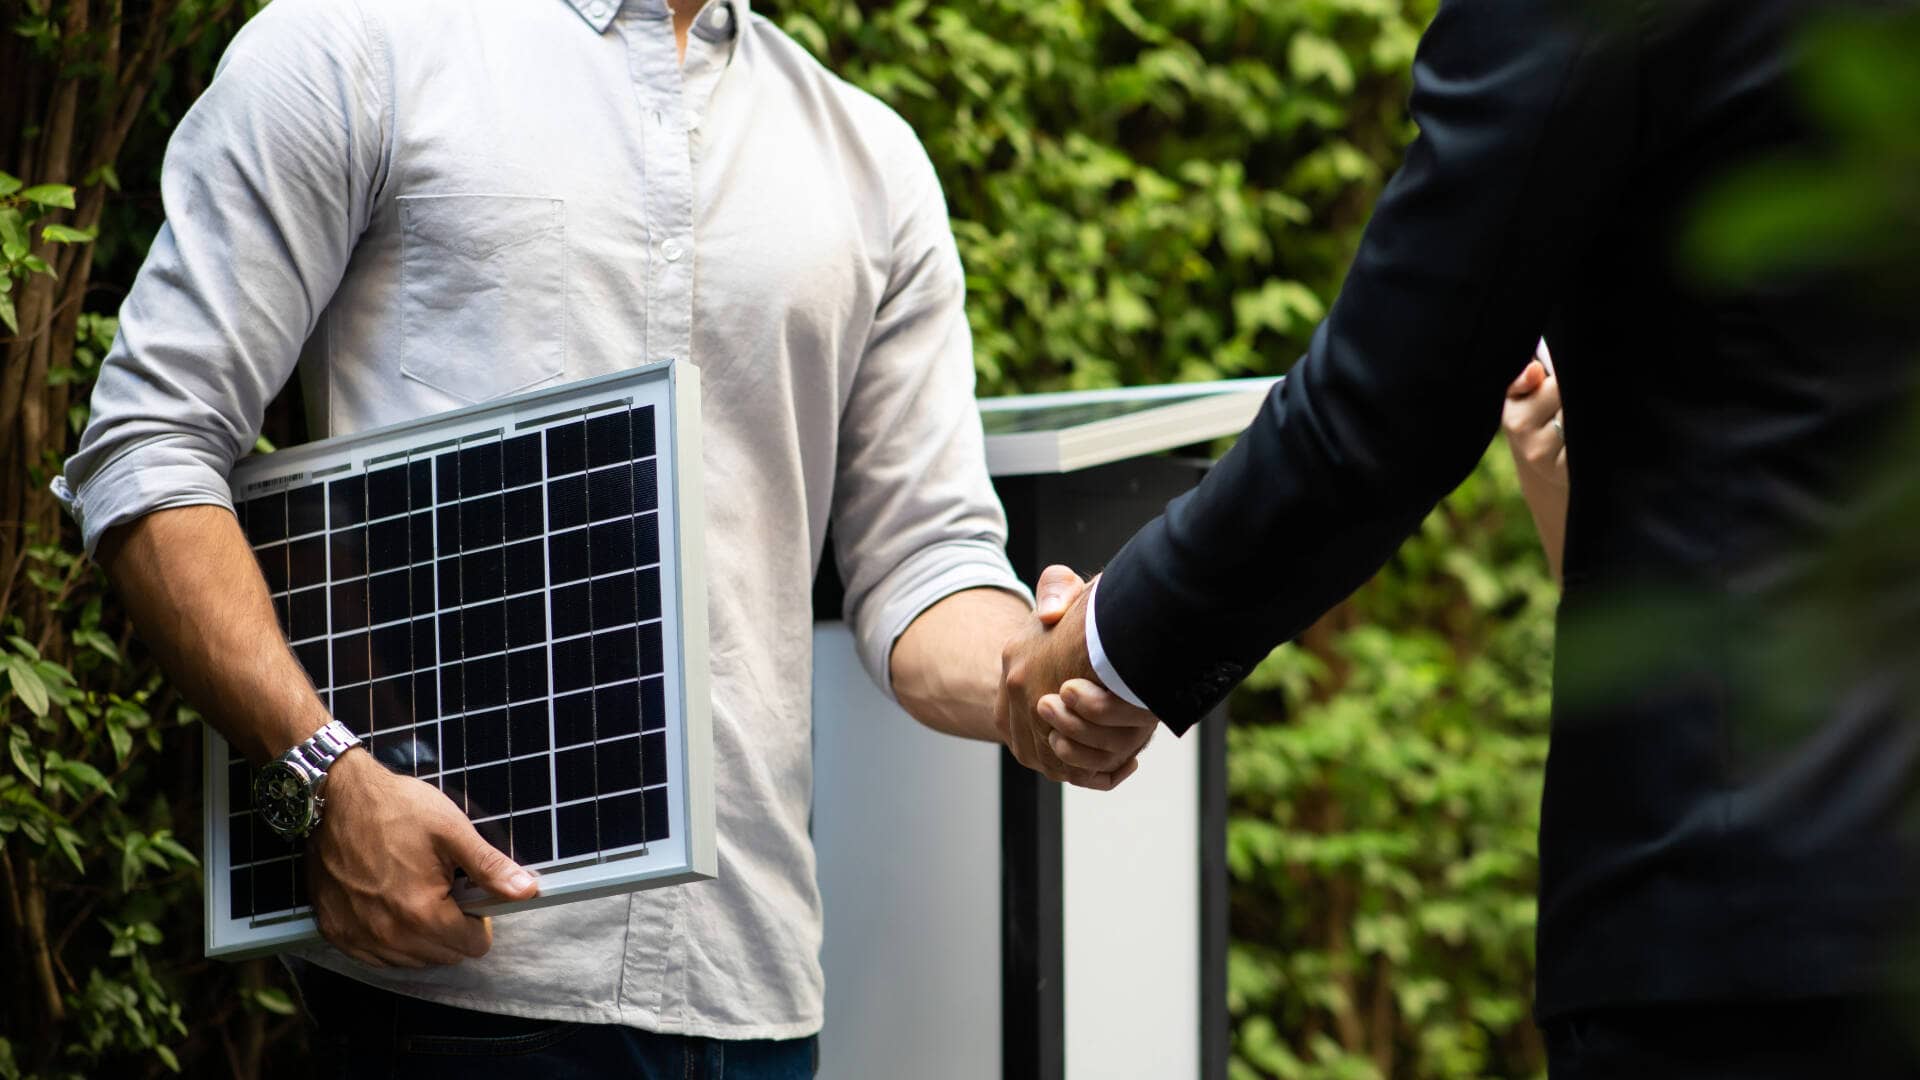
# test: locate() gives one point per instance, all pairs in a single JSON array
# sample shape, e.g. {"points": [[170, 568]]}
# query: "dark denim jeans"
{"points": [[368, 1034]]}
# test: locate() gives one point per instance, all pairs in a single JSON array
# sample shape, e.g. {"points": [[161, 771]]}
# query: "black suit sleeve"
{"points": [[1527, 119]]}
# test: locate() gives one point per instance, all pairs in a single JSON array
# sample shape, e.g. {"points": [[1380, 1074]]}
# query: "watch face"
{"points": [[284, 799]]}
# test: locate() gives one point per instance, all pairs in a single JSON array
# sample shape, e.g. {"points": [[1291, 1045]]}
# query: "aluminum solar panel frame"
{"points": [[507, 601]]}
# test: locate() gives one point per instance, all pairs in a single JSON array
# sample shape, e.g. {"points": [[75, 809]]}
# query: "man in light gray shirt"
{"points": [[422, 205]]}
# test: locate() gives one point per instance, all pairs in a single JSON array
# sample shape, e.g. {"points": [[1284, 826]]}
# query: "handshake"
{"points": [[1052, 712]]}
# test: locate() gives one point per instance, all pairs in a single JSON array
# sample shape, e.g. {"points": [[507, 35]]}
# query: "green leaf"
{"points": [[85, 775], [23, 646], [66, 234], [166, 1056], [27, 685], [274, 1000], [98, 642], [122, 740], [8, 185], [69, 842], [8, 316], [51, 195], [105, 174]]}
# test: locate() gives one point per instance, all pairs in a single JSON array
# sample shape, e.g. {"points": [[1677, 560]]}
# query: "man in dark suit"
{"points": [[1728, 884]]}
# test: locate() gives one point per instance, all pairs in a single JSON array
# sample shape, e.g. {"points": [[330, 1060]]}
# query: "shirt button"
{"points": [[720, 17], [596, 10], [672, 250]]}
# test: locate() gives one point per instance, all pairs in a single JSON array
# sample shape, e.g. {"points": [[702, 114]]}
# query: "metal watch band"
{"points": [[325, 746]]}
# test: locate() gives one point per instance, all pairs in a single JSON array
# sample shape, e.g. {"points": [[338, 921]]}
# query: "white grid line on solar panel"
{"points": [[438, 556], [443, 664], [548, 589], [540, 699]]}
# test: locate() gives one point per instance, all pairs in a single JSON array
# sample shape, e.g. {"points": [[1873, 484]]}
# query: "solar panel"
{"points": [[507, 602]]}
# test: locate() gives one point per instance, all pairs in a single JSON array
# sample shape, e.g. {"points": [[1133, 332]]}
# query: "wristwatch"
{"points": [[286, 791]]}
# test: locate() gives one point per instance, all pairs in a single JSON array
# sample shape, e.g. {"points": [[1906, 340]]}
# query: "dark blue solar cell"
{"points": [[266, 519], [307, 562], [622, 821], [642, 438], [347, 553], [652, 661], [387, 544], [392, 650], [483, 629], [446, 477], [307, 614], [611, 546], [607, 439], [482, 523], [573, 774], [572, 665], [527, 620], [522, 455], [420, 483], [646, 539], [609, 494], [646, 486], [524, 513], [425, 647], [447, 581], [307, 510], [421, 587], [646, 588], [393, 702], [616, 710], [657, 823], [387, 492], [389, 596], [618, 764], [613, 600], [573, 719], [570, 614], [481, 576], [579, 830], [527, 675], [653, 704], [452, 636], [614, 656], [240, 893], [653, 758], [353, 706], [526, 566], [527, 727], [480, 469], [346, 502], [351, 660], [273, 886], [453, 743], [486, 737], [239, 828], [426, 694], [566, 449], [567, 502], [273, 566], [533, 837], [485, 683], [532, 785], [350, 605], [567, 558], [420, 542]]}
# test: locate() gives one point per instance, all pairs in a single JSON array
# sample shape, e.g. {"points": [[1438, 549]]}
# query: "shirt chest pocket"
{"points": [[483, 292]]}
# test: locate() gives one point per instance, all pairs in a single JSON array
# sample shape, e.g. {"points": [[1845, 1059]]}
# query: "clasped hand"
{"points": [[1052, 713]]}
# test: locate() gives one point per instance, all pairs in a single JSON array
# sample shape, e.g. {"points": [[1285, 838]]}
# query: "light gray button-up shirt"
{"points": [[431, 203]]}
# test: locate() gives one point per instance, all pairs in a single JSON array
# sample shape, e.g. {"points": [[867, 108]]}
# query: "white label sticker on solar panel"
{"points": [[508, 603]]}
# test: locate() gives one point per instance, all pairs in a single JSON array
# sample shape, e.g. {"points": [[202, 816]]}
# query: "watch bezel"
{"points": [[298, 815]]}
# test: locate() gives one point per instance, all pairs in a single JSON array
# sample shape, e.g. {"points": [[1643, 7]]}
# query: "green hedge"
{"points": [[1143, 191]]}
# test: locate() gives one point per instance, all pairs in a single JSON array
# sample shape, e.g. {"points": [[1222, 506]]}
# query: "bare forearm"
{"points": [[197, 599], [946, 667], [1548, 504]]}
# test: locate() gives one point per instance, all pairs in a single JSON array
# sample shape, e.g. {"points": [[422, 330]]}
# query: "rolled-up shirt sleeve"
{"points": [[915, 517], [267, 184]]}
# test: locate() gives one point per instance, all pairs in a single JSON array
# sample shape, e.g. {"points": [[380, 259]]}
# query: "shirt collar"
{"points": [[718, 20]]}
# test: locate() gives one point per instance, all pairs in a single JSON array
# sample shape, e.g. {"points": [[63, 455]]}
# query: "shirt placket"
{"points": [[667, 178]]}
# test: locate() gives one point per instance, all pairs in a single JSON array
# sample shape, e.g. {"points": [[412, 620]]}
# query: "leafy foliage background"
{"points": [[1144, 191]]}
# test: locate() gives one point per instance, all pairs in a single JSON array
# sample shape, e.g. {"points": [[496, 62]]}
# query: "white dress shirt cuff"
{"points": [[1103, 667]]}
